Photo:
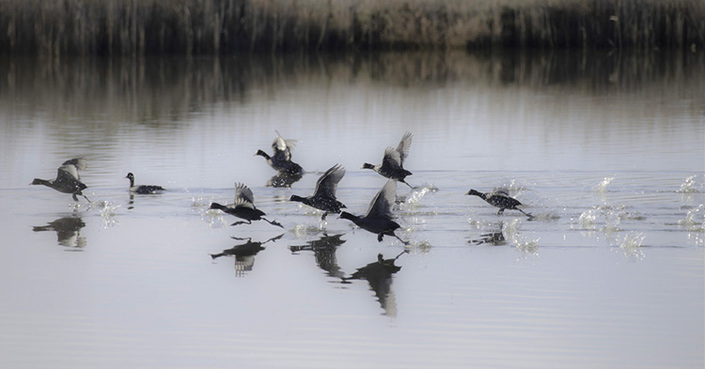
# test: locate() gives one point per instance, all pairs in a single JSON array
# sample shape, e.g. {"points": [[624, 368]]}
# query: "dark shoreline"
{"points": [[208, 27]]}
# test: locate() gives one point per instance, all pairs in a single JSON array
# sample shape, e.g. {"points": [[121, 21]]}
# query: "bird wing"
{"points": [[282, 146], [67, 173], [501, 191], [381, 205], [244, 193], [327, 184], [403, 148], [79, 163], [243, 203], [392, 159]]}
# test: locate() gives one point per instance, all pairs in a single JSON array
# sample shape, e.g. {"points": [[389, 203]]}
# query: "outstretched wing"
{"points": [[403, 148], [392, 159], [327, 184], [242, 203], [79, 163], [283, 147], [243, 193], [67, 173], [381, 205]]}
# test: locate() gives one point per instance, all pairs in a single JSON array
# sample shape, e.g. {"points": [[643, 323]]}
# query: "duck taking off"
{"points": [[392, 165], [378, 219], [501, 199], [281, 159], [142, 189], [67, 179], [323, 197], [244, 207]]}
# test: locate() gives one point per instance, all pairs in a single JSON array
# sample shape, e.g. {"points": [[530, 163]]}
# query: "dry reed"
{"points": [[141, 27]]}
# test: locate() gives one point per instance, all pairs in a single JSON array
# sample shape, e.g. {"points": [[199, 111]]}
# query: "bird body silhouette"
{"points": [[392, 166], [142, 189], [244, 207], [378, 219], [67, 179], [500, 198], [323, 197], [281, 159]]}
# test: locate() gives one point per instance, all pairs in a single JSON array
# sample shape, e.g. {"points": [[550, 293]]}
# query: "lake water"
{"points": [[607, 151]]}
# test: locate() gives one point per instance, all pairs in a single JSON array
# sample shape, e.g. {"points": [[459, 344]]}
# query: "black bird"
{"points": [[281, 160], [379, 216], [501, 199], [67, 179], [323, 197], [142, 189], [392, 165], [244, 207]]}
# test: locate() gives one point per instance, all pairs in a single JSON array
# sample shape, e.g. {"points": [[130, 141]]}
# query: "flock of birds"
{"points": [[378, 220]]}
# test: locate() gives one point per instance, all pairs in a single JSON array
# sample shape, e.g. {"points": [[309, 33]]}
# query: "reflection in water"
{"points": [[164, 86], [493, 238], [324, 250], [283, 179], [379, 275], [67, 231], [244, 254]]}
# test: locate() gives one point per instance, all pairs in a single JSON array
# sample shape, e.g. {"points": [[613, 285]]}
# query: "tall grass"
{"points": [[139, 27]]}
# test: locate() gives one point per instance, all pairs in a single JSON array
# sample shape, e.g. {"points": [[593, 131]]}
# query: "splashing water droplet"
{"points": [[107, 213], [690, 185], [601, 187], [631, 245]]}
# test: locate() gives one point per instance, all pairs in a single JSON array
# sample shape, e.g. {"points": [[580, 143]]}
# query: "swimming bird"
{"points": [[323, 197], [501, 199], [393, 161], [244, 207], [378, 219], [67, 179], [281, 160], [142, 189]]}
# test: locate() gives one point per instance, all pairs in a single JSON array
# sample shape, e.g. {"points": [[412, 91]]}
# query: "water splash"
{"points": [[422, 247], [214, 218], [690, 186], [601, 188], [510, 230], [588, 219], [107, 213], [201, 202], [303, 230], [417, 193], [694, 220], [631, 245]]}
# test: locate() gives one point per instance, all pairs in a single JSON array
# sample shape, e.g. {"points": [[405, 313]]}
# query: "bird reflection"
{"points": [[379, 275], [67, 231], [283, 179], [496, 238], [324, 250], [244, 253]]}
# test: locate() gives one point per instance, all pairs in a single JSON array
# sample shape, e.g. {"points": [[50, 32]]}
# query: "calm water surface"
{"points": [[606, 151]]}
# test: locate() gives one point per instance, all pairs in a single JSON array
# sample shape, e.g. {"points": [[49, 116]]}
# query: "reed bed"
{"points": [[142, 27]]}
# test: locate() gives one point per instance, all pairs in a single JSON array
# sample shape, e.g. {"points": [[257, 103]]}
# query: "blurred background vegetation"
{"points": [[189, 27]]}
